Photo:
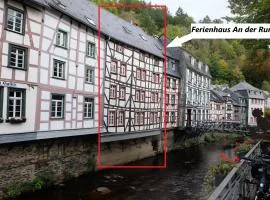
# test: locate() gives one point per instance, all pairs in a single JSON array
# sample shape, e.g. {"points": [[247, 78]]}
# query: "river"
{"points": [[182, 180]]}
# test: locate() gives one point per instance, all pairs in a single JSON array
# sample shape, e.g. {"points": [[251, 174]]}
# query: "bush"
{"points": [[42, 180], [243, 149]]}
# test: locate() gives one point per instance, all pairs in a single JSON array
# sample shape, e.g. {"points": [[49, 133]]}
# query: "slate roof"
{"points": [[235, 97], [111, 25], [248, 91], [216, 97]]}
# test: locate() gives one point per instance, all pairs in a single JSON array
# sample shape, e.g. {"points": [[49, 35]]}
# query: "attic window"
{"points": [[127, 30], [60, 4], [158, 46], [143, 37], [91, 21]]}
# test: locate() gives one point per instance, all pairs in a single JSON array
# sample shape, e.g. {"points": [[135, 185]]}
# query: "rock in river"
{"points": [[103, 190]]}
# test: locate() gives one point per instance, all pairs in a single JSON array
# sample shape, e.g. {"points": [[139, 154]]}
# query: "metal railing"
{"points": [[234, 186]]}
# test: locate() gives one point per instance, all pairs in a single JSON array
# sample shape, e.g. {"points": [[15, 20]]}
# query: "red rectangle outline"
{"points": [[99, 166]]}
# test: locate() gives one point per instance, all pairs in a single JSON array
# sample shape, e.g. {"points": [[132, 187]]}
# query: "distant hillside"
{"points": [[227, 59]]}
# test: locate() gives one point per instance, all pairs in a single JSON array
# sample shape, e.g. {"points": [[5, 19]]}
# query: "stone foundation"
{"points": [[70, 157]]}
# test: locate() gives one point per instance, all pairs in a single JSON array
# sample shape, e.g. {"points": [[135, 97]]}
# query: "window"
{"points": [[168, 83], [119, 48], [91, 49], [122, 92], [57, 107], [138, 74], [15, 20], [167, 117], [89, 75], [137, 118], [61, 38], [151, 120], [113, 91], [17, 56], [173, 99], [58, 69], [111, 119], [88, 107], [167, 99], [173, 66], [173, 117], [143, 75], [154, 97], [156, 61], [142, 118], [123, 69], [16, 103], [137, 95], [114, 66], [155, 77], [142, 57], [155, 117], [174, 84], [142, 96], [121, 118]]}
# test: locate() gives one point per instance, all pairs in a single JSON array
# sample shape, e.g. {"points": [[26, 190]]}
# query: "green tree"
{"points": [[266, 85]]}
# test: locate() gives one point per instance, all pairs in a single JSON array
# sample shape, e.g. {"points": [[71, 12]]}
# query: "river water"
{"points": [[182, 180]]}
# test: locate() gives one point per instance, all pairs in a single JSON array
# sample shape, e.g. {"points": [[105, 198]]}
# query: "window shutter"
{"points": [[23, 102]]}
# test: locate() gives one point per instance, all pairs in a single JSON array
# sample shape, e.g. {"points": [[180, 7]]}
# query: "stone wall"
{"points": [[70, 157]]}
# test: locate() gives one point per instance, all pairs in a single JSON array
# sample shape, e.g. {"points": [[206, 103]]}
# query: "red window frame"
{"points": [[114, 121], [112, 86], [125, 69], [123, 112], [122, 87], [113, 61]]}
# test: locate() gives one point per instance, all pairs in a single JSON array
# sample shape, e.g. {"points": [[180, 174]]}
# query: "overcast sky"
{"points": [[198, 9]]}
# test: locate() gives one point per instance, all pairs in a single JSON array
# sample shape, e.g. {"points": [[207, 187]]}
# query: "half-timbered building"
{"points": [[48, 69]]}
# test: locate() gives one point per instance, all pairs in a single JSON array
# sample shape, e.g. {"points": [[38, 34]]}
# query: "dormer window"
{"points": [[127, 30], [143, 37], [90, 21]]}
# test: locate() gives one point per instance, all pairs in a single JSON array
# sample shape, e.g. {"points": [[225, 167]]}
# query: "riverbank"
{"points": [[37, 165], [183, 179]]}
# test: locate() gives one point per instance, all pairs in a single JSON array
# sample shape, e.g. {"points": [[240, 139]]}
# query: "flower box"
{"points": [[16, 120]]}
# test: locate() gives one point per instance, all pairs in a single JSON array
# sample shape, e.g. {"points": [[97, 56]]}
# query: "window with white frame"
{"points": [[123, 69], [173, 99], [111, 118], [16, 103], [174, 84], [17, 57], [113, 91], [57, 106], [91, 49], [142, 96], [113, 66], [137, 118], [121, 118], [15, 20], [58, 69], [122, 93], [61, 38], [137, 95], [88, 107], [89, 75], [138, 74], [142, 118]]}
